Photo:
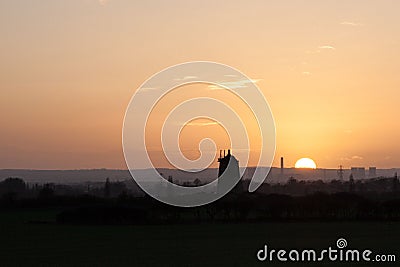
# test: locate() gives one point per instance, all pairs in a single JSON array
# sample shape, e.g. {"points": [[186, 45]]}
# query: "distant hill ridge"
{"points": [[98, 175]]}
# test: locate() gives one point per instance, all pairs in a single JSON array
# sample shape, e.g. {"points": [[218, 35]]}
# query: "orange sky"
{"points": [[329, 70]]}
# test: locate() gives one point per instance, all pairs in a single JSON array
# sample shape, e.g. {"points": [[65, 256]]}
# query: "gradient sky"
{"points": [[329, 70]]}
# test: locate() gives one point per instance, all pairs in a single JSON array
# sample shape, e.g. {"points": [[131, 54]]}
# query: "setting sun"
{"points": [[305, 163]]}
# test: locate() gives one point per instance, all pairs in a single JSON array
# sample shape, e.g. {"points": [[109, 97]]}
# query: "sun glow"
{"points": [[305, 163]]}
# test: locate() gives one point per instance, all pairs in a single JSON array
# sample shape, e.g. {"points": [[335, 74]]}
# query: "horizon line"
{"points": [[126, 169]]}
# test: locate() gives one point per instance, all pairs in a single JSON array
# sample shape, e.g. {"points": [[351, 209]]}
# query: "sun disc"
{"points": [[305, 163]]}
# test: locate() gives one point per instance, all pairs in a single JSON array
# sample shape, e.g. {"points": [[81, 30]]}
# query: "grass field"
{"points": [[24, 243]]}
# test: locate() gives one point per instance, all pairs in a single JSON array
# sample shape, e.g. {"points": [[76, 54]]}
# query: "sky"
{"points": [[328, 69]]}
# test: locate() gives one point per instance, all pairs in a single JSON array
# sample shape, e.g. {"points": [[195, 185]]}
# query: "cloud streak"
{"points": [[320, 48], [326, 47], [186, 78], [349, 23], [147, 89], [355, 157], [202, 123], [233, 84]]}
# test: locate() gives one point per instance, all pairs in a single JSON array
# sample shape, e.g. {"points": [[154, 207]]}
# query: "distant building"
{"points": [[228, 170], [358, 172], [372, 172], [340, 173], [282, 166]]}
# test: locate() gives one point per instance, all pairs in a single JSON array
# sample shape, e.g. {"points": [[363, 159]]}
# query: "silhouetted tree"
{"points": [[170, 186], [9, 197], [197, 182], [12, 185], [123, 196], [47, 191], [351, 183], [292, 180], [395, 183], [107, 188]]}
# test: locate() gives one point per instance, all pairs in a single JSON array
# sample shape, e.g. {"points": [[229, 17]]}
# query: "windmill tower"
{"points": [[340, 173], [228, 170]]}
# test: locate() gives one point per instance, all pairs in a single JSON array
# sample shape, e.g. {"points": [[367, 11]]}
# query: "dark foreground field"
{"points": [[31, 238]]}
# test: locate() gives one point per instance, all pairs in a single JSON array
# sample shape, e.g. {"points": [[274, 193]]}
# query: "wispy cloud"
{"points": [[234, 84], [349, 23], [320, 48], [306, 73], [186, 78], [326, 47], [202, 123], [355, 157], [147, 89], [214, 87]]}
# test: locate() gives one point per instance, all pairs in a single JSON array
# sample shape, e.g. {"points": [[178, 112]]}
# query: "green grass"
{"points": [[27, 244]]}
